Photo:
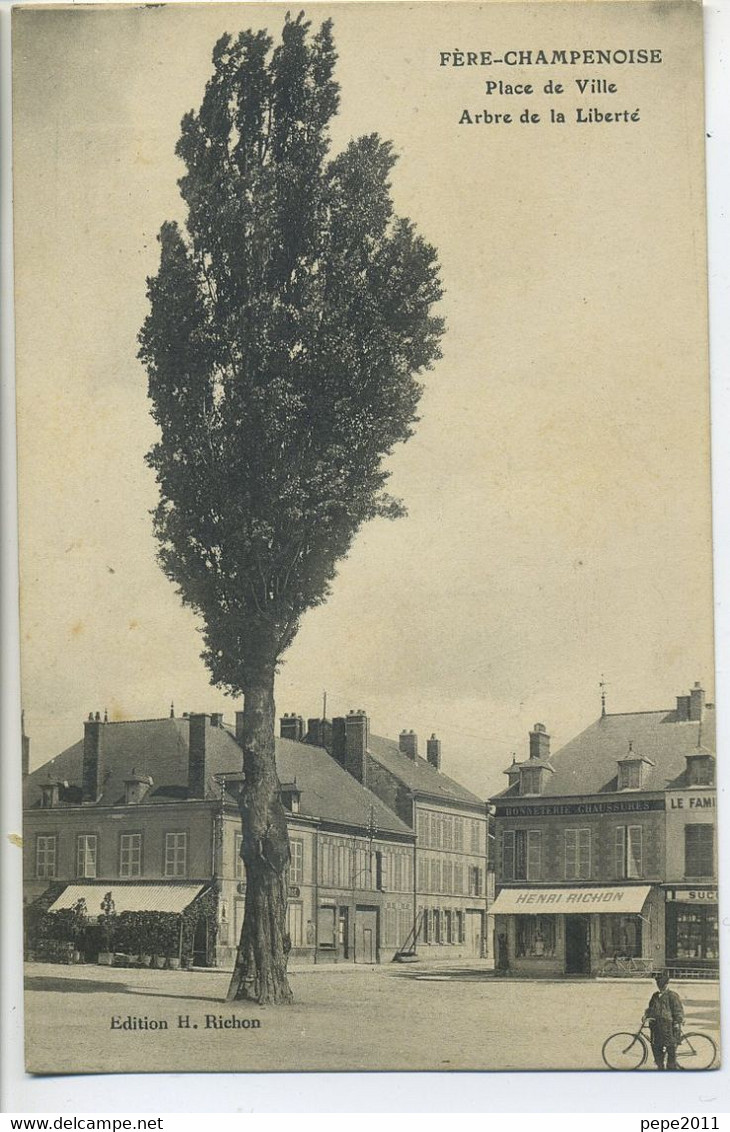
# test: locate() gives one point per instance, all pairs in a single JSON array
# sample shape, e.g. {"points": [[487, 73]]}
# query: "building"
{"points": [[606, 852], [147, 809], [450, 825]]}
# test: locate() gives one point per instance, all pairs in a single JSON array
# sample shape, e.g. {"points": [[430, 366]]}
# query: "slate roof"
{"points": [[588, 763], [418, 774], [159, 747]]}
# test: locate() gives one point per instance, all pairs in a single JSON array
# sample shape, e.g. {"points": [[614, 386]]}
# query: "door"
{"points": [[474, 932], [577, 945], [366, 935], [200, 943], [343, 934]]}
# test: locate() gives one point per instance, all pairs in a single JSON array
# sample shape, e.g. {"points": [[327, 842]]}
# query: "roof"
{"points": [[129, 897], [418, 774], [588, 763], [159, 748]]}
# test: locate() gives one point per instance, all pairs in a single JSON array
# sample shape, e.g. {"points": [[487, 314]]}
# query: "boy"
{"points": [[665, 1015]]}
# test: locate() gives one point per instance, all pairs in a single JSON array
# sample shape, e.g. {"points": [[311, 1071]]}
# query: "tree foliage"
{"points": [[289, 321]]}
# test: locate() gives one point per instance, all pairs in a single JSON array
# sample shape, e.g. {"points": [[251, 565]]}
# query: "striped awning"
{"points": [[129, 897]]}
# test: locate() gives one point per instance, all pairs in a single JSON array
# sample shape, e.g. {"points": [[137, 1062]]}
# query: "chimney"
{"points": [[683, 708], [197, 768], [291, 727], [408, 744], [239, 727], [433, 752], [92, 766], [25, 748], [338, 739], [696, 702], [216, 719], [356, 745], [315, 732], [539, 742]]}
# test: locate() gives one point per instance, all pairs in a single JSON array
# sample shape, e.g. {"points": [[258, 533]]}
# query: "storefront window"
{"points": [[696, 933], [535, 937], [620, 936]]}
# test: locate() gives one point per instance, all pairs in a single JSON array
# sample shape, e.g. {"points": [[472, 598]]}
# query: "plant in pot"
{"points": [[108, 924]]}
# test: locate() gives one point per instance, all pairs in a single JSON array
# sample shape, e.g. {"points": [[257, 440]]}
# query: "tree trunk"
{"points": [[260, 971]]}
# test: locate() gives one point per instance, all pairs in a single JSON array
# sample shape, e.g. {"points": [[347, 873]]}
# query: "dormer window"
{"points": [[531, 780], [700, 769], [631, 769], [629, 776], [291, 797], [530, 776], [136, 787], [50, 794]]}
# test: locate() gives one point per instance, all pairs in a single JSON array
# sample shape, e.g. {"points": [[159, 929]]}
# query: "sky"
{"points": [[557, 485]]}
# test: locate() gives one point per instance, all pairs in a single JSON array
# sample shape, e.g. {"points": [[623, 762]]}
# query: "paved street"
{"points": [[394, 1017]]}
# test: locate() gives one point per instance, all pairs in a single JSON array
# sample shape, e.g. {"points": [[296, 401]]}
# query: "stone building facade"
{"points": [[606, 858], [142, 802]]}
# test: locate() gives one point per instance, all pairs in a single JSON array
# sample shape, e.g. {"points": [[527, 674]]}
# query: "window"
{"points": [[295, 922], [508, 854], [535, 936], [176, 855], [530, 780], [423, 930], [701, 770], [86, 855], [458, 877], [296, 868], [239, 868], [435, 874], [459, 834], [699, 850], [693, 932], [45, 855], [447, 875], [130, 855], [629, 851], [475, 881], [475, 836], [422, 828], [448, 927], [534, 854], [577, 854], [422, 874], [436, 926], [327, 925], [620, 935], [522, 854], [460, 927], [629, 776]]}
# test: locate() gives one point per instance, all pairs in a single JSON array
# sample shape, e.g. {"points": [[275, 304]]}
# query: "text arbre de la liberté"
{"points": [[598, 98]]}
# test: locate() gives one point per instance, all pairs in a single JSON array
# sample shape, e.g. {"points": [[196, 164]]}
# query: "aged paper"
{"points": [[554, 565]]}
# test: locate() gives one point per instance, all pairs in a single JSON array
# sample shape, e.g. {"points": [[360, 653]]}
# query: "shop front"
{"points": [[576, 931], [692, 937]]}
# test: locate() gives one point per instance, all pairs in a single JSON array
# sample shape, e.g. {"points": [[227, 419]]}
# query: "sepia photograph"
{"points": [[365, 538]]}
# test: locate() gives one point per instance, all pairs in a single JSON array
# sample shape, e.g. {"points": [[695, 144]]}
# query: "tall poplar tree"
{"points": [[288, 322]]}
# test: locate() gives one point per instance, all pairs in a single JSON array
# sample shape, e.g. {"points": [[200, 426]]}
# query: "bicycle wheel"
{"points": [[696, 1051], [624, 1051]]}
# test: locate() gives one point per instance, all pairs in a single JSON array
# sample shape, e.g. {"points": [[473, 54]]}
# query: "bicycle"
{"points": [[630, 1051]]}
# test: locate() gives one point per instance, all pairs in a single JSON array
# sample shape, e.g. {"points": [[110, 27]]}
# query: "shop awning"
{"points": [[544, 901], [129, 897]]}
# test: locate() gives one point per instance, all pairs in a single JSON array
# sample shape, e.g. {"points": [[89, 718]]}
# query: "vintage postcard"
{"points": [[363, 421]]}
